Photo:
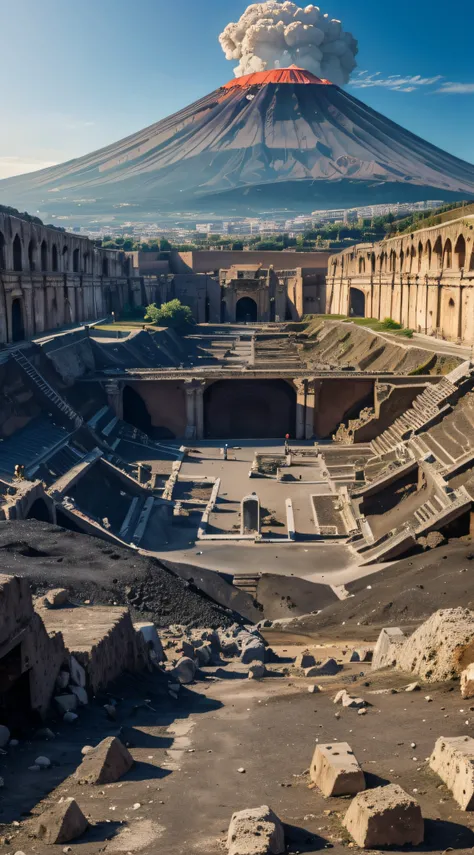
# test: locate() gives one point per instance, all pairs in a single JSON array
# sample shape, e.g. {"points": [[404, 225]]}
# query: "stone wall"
{"points": [[423, 280], [50, 278]]}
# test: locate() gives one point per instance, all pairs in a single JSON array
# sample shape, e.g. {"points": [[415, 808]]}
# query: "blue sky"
{"points": [[80, 75]]}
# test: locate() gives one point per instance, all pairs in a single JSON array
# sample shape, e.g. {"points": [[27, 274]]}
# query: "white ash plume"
{"points": [[277, 34]]}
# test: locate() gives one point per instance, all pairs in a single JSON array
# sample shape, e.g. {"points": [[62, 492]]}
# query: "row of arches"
{"points": [[424, 257], [40, 257]]}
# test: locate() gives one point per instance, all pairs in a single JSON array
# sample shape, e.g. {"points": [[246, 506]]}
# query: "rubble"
{"points": [[256, 670], [252, 651], [328, 668], [385, 816], [56, 598], [256, 831], [305, 660], [66, 703], [78, 674], [185, 670], [453, 760], [335, 770], [106, 763], [362, 654], [62, 823]]}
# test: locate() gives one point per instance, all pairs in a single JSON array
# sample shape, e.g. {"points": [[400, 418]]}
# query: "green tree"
{"points": [[165, 245], [172, 314]]}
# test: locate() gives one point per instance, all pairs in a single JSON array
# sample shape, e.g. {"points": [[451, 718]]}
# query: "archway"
{"points": [[249, 409], [136, 413], [460, 252], [54, 258], [18, 327], [39, 511], [44, 255], [356, 303], [32, 255], [17, 254], [246, 310], [75, 261]]}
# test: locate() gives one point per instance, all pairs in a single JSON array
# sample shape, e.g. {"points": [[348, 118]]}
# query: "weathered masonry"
{"points": [[424, 280], [50, 278]]}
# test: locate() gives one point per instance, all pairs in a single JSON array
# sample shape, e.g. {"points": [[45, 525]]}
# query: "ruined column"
{"points": [[114, 392], [190, 390], [310, 404], [199, 402], [300, 386]]}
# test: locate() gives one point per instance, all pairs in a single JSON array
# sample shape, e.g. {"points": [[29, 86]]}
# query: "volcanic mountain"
{"points": [[279, 139]]}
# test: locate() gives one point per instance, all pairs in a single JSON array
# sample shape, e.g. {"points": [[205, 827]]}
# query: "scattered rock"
{"points": [[257, 831], [44, 733], [81, 695], [453, 760], [185, 670], [62, 680], [86, 749], [64, 822], [256, 671], [362, 654], [70, 717], [253, 651], [43, 762], [66, 703], [78, 674], [467, 682], [305, 660], [56, 598], [336, 771], [204, 655], [327, 668], [384, 816], [442, 647], [152, 640], [353, 703], [313, 690], [111, 711], [106, 763], [413, 687]]}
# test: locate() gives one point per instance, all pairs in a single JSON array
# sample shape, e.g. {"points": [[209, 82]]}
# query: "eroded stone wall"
{"points": [[423, 280]]}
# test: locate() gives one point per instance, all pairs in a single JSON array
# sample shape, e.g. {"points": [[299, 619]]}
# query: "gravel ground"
{"points": [[91, 569]]}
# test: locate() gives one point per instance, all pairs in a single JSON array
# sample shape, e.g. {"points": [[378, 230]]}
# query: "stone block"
{"points": [[453, 760], [254, 651], [387, 648], [442, 647], [185, 670], [62, 823], [353, 703], [467, 682], [336, 771], [362, 654], [106, 763], [323, 669], [66, 703], [256, 670], [305, 660], [203, 654], [81, 695], [151, 639], [62, 680], [78, 674], [55, 598], [256, 832], [385, 816]]}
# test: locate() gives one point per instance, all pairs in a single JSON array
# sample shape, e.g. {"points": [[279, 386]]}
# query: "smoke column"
{"points": [[277, 34]]}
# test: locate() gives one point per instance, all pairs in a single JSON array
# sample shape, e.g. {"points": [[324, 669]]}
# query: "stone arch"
{"points": [[246, 310], [372, 262], [420, 255], [65, 258], [85, 262], [438, 252], [17, 322], [412, 255], [54, 259], [135, 411], [356, 303], [361, 265], [44, 255], [32, 255], [105, 266], [448, 254], [402, 261], [460, 252], [244, 409], [428, 252], [2, 251], [393, 261], [17, 254], [75, 261]]}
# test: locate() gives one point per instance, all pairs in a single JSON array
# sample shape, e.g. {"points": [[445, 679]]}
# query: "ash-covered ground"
{"points": [[92, 569]]}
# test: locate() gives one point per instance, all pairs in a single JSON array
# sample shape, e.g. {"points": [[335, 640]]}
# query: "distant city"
{"points": [[250, 226]]}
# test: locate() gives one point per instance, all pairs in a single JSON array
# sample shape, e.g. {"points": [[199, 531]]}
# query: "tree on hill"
{"points": [[172, 314]]}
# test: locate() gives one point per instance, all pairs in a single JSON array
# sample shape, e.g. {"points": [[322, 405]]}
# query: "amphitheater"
{"points": [[246, 472]]}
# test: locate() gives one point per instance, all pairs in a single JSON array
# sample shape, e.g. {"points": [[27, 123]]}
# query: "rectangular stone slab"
{"points": [[453, 760], [336, 771]]}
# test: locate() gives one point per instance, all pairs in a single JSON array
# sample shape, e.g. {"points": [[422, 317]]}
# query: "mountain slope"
{"points": [[281, 138]]}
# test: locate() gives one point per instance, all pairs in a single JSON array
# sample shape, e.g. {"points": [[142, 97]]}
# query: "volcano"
{"points": [[281, 139]]}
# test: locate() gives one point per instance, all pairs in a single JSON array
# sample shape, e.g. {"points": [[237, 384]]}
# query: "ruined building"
{"points": [[423, 280]]}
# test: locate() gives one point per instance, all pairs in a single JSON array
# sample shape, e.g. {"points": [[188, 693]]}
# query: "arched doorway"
{"points": [[249, 409], [135, 411], [246, 311], [18, 327], [39, 511], [356, 303], [17, 254]]}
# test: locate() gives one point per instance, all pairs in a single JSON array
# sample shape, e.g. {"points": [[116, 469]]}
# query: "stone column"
{"points": [[190, 390], [114, 392], [310, 404], [199, 410], [300, 386]]}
